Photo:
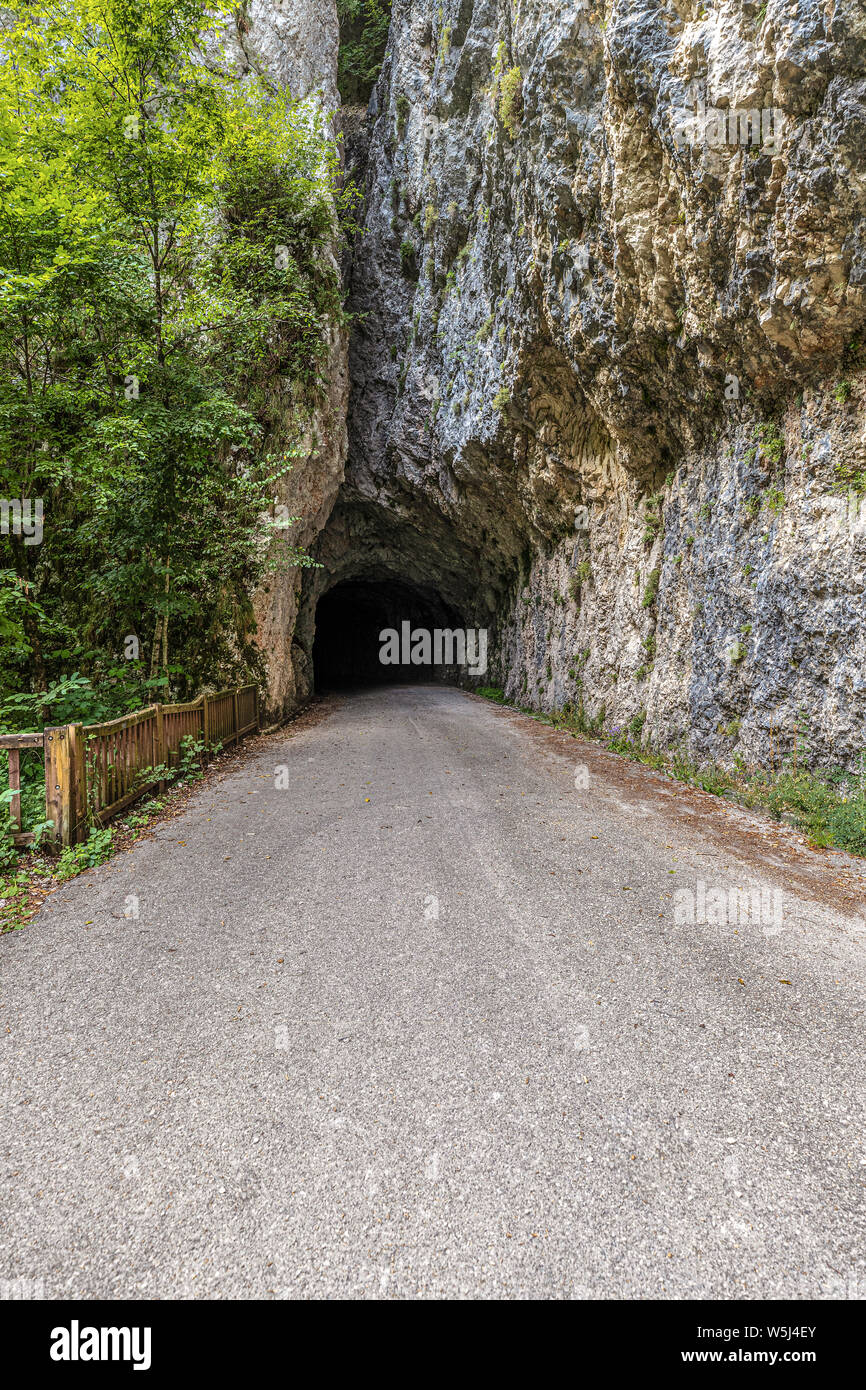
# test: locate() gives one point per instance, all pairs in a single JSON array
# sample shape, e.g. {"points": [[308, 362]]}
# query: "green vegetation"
{"points": [[165, 286], [770, 445], [651, 591], [653, 519], [502, 399], [737, 653], [511, 100], [363, 36], [492, 692]]}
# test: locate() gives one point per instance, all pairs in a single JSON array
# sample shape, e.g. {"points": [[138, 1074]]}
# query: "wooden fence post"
{"points": [[65, 795], [77, 784], [159, 750], [15, 786], [258, 712], [205, 724], [235, 714]]}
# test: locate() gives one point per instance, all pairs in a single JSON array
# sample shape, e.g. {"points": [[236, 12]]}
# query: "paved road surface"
{"points": [[421, 1023]]}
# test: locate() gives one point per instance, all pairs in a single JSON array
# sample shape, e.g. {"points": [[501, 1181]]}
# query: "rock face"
{"points": [[607, 381], [295, 43]]}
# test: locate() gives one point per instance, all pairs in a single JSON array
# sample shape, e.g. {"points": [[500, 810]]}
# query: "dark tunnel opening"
{"points": [[350, 619]]}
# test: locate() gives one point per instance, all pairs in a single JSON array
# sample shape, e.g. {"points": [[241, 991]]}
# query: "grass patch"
{"points": [[492, 692]]}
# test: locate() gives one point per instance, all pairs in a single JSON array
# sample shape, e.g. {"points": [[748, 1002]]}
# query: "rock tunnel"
{"points": [[350, 619], [378, 571]]}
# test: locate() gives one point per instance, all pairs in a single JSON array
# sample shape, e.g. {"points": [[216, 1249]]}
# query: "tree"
{"points": [[166, 280], [363, 36]]}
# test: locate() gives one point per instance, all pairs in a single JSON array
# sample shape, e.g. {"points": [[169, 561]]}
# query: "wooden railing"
{"points": [[94, 771], [12, 745]]}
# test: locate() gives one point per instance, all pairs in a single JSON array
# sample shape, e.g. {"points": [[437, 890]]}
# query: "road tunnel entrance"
{"points": [[349, 649]]}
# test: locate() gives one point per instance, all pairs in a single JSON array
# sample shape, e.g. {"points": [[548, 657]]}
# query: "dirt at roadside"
{"points": [[830, 877]]}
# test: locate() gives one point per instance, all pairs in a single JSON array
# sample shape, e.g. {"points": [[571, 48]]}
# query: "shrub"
{"points": [[651, 591], [770, 443], [511, 100], [407, 256]]}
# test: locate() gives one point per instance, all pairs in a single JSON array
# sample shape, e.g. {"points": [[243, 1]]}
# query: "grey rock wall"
{"points": [[593, 288]]}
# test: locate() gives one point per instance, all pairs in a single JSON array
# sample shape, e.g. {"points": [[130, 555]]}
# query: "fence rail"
{"points": [[94, 771]]}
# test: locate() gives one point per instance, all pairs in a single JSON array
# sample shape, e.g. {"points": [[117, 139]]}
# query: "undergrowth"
{"points": [[25, 878]]}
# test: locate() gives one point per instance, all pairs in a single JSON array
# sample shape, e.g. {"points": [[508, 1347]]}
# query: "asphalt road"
{"points": [[414, 1018]]}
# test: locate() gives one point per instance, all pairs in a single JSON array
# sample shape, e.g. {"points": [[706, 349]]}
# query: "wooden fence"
{"points": [[94, 771]]}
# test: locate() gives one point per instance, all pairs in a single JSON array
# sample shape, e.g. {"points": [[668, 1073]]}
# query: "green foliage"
{"points": [[847, 825], [164, 293], [511, 100], [492, 692], [831, 808], [737, 653], [771, 445], [653, 518], [363, 36], [502, 399], [95, 850], [651, 590]]}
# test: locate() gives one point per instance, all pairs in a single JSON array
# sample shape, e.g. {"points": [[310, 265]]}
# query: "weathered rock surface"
{"points": [[294, 43], [578, 303]]}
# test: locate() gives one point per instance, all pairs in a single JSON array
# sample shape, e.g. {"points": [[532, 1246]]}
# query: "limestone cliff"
{"points": [[607, 380]]}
